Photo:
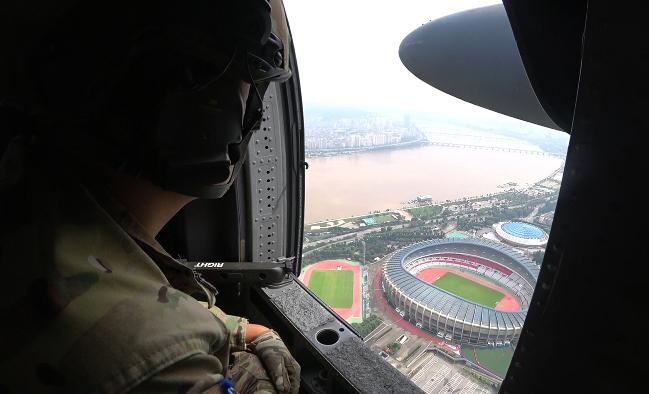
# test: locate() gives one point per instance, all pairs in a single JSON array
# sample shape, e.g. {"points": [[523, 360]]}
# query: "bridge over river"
{"points": [[497, 148]]}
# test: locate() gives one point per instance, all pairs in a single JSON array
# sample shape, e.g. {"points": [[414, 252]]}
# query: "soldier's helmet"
{"points": [[167, 90]]}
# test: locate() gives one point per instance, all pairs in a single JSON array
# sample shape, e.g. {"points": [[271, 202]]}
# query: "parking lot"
{"points": [[435, 375], [415, 359]]}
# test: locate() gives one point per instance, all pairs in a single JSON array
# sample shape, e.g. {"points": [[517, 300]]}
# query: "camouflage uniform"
{"points": [[90, 303]]}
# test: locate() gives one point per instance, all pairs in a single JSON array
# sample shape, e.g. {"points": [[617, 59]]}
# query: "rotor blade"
{"points": [[473, 56]]}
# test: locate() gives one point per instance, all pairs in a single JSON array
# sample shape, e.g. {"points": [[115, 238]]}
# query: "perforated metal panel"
{"points": [[267, 175]]}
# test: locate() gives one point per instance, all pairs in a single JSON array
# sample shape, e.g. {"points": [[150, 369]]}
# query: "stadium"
{"points": [[468, 291], [521, 234]]}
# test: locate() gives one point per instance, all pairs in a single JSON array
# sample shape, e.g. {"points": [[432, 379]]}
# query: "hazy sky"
{"points": [[347, 52]]}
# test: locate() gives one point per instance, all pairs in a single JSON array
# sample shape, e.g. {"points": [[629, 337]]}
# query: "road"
{"points": [[339, 238], [529, 218]]}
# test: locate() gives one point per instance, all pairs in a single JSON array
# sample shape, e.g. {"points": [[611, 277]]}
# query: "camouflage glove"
{"points": [[282, 368]]}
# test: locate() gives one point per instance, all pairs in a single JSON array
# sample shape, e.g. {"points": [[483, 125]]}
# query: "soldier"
{"points": [[123, 112]]}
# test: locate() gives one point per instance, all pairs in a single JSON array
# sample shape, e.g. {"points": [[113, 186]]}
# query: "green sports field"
{"points": [[334, 287], [469, 290], [496, 360]]}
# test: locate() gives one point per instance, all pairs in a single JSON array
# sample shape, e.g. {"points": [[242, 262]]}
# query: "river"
{"points": [[355, 184]]}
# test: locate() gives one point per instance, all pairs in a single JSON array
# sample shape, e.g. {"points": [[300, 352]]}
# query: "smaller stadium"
{"points": [[338, 284], [521, 234], [467, 291]]}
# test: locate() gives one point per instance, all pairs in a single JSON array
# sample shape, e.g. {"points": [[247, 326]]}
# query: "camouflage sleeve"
{"points": [[195, 374], [237, 327]]}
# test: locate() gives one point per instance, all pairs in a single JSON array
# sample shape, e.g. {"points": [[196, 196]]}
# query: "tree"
{"points": [[393, 347], [538, 256], [367, 326]]}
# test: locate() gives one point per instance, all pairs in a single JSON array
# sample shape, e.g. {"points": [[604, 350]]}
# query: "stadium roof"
{"points": [[440, 300], [523, 230], [521, 234]]}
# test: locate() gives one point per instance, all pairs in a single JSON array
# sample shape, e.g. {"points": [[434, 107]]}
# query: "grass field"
{"points": [[381, 219], [469, 290], [429, 211], [496, 360], [336, 288]]}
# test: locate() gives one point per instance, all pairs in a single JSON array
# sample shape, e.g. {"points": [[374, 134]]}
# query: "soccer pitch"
{"points": [[469, 290], [334, 287]]}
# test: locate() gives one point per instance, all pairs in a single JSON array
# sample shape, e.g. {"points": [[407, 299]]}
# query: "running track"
{"points": [[345, 313]]}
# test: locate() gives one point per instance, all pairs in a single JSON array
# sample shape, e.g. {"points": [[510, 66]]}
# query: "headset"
{"points": [[165, 90]]}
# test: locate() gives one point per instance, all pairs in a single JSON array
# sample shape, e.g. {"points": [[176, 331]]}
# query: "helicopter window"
{"points": [[425, 217]]}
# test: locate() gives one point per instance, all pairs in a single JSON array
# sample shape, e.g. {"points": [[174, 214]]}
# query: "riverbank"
{"points": [[355, 185]]}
